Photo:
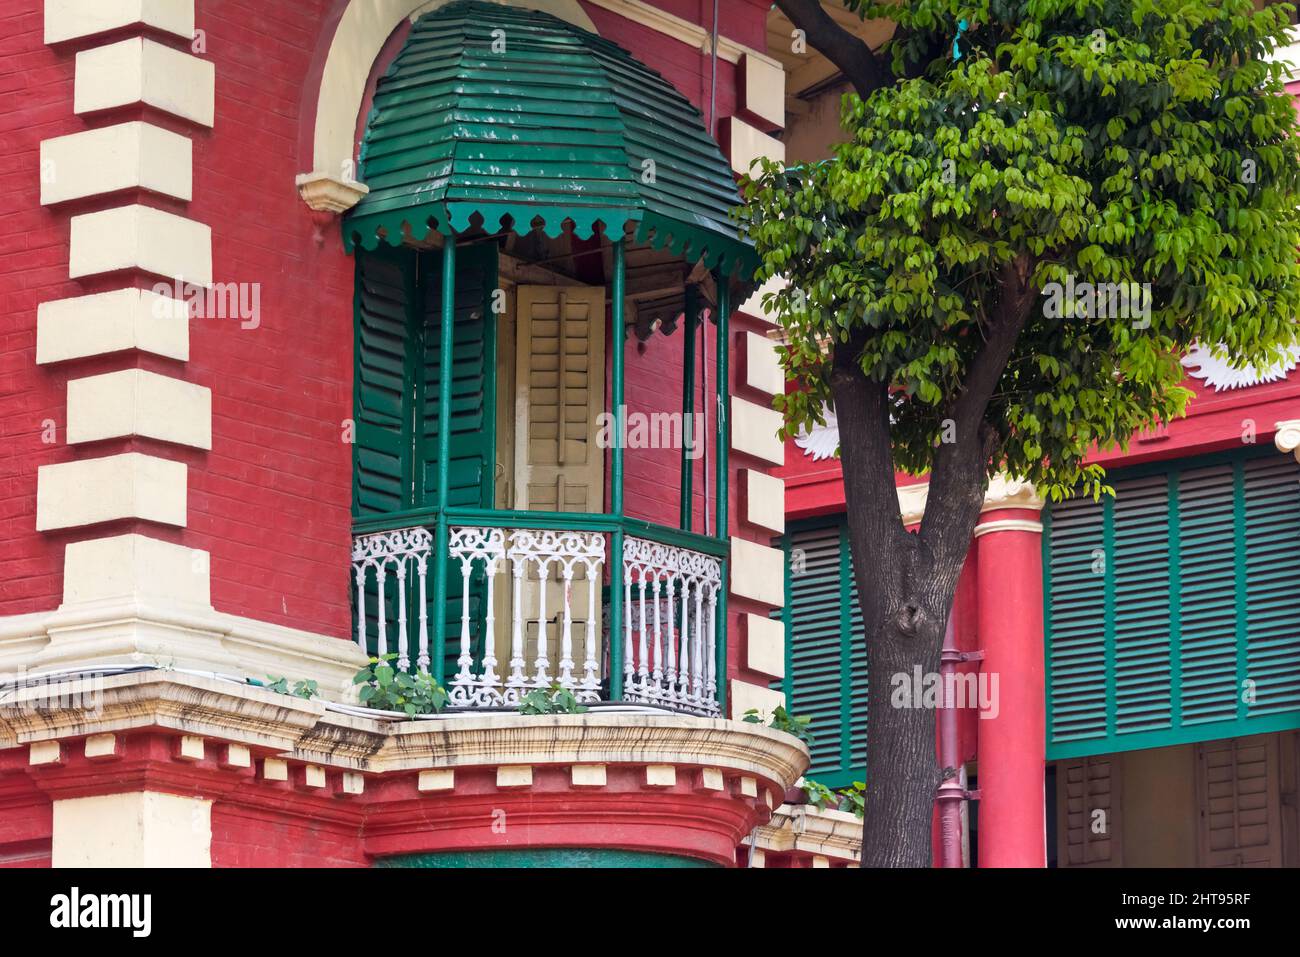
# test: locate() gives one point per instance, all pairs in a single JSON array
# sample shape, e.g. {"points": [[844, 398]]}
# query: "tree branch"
{"points": [[855, 59], [862, 410], [958, 479]]}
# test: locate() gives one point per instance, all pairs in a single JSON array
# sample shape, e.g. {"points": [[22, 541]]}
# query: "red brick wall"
{"points": [[270, 502]]}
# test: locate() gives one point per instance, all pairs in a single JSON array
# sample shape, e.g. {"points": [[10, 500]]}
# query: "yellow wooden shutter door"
{"points": [[560, 383], [1089, 824]]}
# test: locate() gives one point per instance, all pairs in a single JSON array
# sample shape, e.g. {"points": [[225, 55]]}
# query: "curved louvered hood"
{"points": [[514, 113]]}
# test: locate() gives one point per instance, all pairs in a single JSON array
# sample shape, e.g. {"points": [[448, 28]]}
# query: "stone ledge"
{"points": [[304, 732], [141, 631], [812, 831]]}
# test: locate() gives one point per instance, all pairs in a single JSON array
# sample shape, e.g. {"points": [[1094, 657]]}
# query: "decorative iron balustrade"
{"points": [[533, 611], [670, 640]]}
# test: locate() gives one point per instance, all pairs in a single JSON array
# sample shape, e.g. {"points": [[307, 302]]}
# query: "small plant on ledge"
{"points": [[852, 798], [782, 720], [384, 688], [553, 700], [305, 689]]}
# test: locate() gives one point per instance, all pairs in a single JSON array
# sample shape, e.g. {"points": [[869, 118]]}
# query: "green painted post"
{"points": [[688, 408], [617, 336], [722, 383], [446, 344]]}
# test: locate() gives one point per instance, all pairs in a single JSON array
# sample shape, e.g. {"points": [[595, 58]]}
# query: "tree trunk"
{"points": [[902, 770], [906, 585]]}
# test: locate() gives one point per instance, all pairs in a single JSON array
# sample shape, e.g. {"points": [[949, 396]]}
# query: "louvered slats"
{"points": [[1168, 608], [826, 671], [1089, 832]]}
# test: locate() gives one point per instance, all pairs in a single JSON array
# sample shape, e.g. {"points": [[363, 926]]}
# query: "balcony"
{"points": [[531, 603]]}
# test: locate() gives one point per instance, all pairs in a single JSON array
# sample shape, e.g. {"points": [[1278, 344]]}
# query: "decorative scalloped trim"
{"points": [[733, 258]]}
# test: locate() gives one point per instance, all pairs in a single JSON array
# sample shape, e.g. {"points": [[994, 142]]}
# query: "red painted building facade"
{"points": [[188, 339]]}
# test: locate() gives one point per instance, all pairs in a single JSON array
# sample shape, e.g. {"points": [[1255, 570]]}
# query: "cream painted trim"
{"points": [[811, 830], [757, 572], [747, 143], [755, 431], [911, 502], [1008, 525], [136, 402], [762, 88], [763, 500], [1002, 493], [91, 491], [101, 746], [144, 238], [73, 19], [1287, 438], [763, 370], [44, 752], [366, 25], [743, 696], [330, 194], [1007, 492], [661, 21], [132, 829], [587, 776], [440, 779], [661, 776], [109, 322], [110, 617], [139, 70], [112, 158], [304, 731], [764, 645], [134, 568], [358, 39]]}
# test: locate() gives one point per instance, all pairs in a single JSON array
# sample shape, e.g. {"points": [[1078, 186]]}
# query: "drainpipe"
{"points": [[952, 794]]}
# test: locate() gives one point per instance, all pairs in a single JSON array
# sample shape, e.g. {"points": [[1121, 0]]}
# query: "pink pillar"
{"points": [[1012, 745]]}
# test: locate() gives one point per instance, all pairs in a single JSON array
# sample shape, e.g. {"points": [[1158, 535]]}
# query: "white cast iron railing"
{"points": [[670, 601], [670, 598]]}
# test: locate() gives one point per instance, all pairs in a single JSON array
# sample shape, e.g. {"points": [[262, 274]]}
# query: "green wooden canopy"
{"points": [[514, 113]]}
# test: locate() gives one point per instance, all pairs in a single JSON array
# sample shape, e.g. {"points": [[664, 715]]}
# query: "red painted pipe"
{"points": [[951, 793]]}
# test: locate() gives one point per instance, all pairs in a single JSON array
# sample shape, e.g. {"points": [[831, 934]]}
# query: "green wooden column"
{"points": [[688, 408], [618, 333], [439, 652], [723, 445]]}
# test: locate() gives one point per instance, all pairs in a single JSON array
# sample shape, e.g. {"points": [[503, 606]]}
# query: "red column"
{"points": [[1012, 744]]}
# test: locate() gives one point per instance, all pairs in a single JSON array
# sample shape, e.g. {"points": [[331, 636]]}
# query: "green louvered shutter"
{"points": [[383, 387], [1167, 606], [826, 660], [395, 457], [473, 418], [473, 426]]}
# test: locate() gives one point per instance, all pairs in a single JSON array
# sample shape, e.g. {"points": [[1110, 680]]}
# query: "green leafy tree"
{"points": [[1004, 163]]}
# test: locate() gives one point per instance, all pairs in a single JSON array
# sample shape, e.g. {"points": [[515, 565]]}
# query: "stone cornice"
{"points": [[304, 731], [1007, 492], [808, 829], [1287, 438], [1003, 492], [168, 634], [156, 699], [911, 502], [330, 194]]}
